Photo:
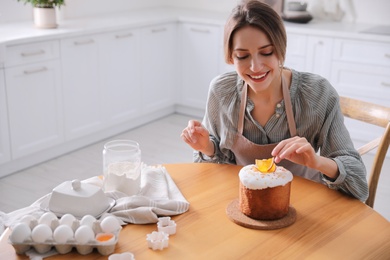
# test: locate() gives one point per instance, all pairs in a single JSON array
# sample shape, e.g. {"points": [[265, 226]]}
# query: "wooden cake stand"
{"points": [[235, 215]]}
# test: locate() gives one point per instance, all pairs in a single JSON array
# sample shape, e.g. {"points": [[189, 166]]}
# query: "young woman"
{"points": [[265, 110]]}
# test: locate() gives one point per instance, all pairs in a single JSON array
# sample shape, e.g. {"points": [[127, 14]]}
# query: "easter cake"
{"points": [[264, 190]]}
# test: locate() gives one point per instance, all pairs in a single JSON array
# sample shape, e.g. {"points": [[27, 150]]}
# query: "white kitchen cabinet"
{"points": [[319, 55], [296, 51], [5, 152], [120, 74], [34, 103], [366, 82], [159, 70], [199, 62], [361, 69], [309, 53], [81, 86]]}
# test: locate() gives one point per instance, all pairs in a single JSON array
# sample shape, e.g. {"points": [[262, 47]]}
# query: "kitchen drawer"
{"points": [[371, 83], [32, 52], [365, 52], [34, 101]]}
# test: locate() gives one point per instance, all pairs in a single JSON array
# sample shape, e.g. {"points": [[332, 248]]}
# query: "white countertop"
{"points": [[23, 32]]}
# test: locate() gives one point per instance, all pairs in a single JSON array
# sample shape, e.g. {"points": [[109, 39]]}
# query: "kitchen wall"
{"points": [[14, 11], [360, 11]]}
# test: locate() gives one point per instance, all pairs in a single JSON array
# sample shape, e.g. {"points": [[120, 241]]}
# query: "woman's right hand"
{"points": [[196, 136]]}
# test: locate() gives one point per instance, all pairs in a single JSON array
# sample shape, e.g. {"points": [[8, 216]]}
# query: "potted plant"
{"points": [[44, 12]]}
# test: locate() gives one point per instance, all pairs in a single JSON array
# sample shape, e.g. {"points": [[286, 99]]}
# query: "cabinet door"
{"points": [[319, 55], [199, 62], [120, 74], [364, 82], [296, 51], [81, 86], [5, 153], [158, 63], [34, 107]]}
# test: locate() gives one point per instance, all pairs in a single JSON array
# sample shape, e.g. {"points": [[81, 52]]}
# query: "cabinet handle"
{"points": [[385, 84], [26, 54], [387, 55], [84, 42], [120, 36], [28, 72], [157, 30], [200, 30]]}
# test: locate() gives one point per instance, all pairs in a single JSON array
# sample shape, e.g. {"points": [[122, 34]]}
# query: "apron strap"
{"points": [[287, 102], [241, 115], [289, 110]]}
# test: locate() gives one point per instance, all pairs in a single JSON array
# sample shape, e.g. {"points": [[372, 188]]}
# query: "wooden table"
{"points": [[329, 225]]}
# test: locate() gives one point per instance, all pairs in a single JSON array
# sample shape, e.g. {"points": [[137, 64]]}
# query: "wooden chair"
{"points": [[376, 115]]}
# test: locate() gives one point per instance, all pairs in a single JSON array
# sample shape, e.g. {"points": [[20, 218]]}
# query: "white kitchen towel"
{"points": [[159, 196]]}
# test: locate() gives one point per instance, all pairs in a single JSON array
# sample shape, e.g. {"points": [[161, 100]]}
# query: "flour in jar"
{"points": [[124, 177], [130, 169]]}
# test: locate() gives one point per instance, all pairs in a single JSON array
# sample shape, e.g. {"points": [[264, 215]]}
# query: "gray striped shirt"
{"points": [[317, 115]]}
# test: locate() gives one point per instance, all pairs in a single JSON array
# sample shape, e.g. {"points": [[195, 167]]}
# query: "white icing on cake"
{"points": [[253, 179]]}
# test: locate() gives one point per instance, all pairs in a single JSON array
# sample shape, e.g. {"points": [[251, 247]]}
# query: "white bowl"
{"points": [[296, 6]]}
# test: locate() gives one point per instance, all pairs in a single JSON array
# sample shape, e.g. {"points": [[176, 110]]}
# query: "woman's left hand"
{"points": [[298, 150]]}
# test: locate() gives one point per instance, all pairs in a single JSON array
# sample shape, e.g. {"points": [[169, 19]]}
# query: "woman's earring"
{"points": [[280, 65]]}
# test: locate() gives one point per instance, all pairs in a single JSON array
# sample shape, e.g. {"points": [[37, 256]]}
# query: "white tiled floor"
{"points": [[160, 143]]}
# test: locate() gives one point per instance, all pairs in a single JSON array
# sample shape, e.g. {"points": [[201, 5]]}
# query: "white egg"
{"points": [[47, 218], [27, 219], [67, 219], [84, 234], [110, 224], [20, 233], [41, 233], [87, 220], [30, 220], [62, 234]]}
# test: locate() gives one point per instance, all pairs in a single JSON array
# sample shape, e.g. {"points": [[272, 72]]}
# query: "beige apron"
{"points": [[246, 152]]}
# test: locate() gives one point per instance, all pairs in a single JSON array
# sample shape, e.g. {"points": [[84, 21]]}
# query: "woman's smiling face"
{"points": [[254, 58]]}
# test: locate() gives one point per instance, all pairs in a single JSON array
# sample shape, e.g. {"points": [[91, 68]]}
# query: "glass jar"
{"points": [[122, 166]]}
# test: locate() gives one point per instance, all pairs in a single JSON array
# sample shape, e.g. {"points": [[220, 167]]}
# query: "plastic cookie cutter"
{"points": [[157, 240], [165, 224], [122, 256]]}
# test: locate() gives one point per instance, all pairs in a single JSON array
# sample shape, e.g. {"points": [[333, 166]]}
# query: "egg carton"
{"points": [[103, 247]]}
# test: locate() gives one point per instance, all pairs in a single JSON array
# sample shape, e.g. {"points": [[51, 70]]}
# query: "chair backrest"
{"points": [[376, 115]]}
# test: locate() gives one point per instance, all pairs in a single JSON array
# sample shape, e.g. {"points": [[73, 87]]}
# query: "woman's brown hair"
{"points": [[261, 16]]}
